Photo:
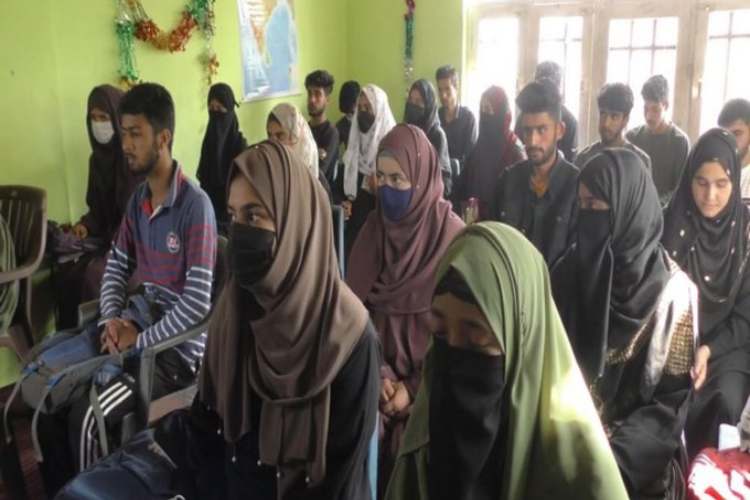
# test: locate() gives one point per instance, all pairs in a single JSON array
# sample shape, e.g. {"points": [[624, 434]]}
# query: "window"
{"points": [[726, 71], [496, 59], [560, 40], [638, 49]]}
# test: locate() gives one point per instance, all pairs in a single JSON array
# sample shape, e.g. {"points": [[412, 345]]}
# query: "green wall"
{"points": [[54, 52]]}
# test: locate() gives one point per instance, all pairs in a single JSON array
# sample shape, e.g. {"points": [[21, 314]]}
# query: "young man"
{"points": [[458, 121], [662, 140], [319, 86], [538, 196], [167, 239], [347, 105], [615, 103], [735, 117], [569, 142]]}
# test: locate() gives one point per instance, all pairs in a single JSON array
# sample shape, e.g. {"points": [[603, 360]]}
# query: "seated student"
{"points": [[497, 148], [615, 103], [8, 291], [537, 196], [110, 185], [287, 398], [392, 265], [422, 111], [222, 143], [629, 312], [569, 141], [666, 145], [706, 232], [319, 85], [167, 240], [458, 121], [287, 125], [735, 117], [372, 121], [503, 411]]}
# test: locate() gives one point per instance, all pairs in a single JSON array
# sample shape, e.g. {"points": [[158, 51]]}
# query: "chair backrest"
{"points": [[338, 238], [220, 268], [24, 209]]}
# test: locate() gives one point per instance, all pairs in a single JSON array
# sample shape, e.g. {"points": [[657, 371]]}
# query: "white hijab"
{"points": [[363, 148], [294, 124]]}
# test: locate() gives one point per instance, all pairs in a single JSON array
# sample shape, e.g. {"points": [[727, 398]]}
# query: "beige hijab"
{"points": [[299, 132], [312, 322]]}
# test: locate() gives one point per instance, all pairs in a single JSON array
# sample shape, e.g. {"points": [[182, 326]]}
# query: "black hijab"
{"points": [[621, 270], [109, 176], [714, 252], [222, 143], [428, 120]]}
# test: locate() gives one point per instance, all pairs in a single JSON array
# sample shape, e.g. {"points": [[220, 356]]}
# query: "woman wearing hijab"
{"points": [[371, 122], [110, 185], [222, 143], [497, 148], [287, 398], [287, 125], [422, 111], [392, 269], [502, 412], [629, 311], [707, 229]]}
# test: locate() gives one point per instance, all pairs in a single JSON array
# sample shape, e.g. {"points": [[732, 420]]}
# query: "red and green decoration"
{"points": [[134, 23], [409, 46]]}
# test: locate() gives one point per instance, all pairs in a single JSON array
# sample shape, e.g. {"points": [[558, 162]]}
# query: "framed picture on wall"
{"points": [[268, 40]]}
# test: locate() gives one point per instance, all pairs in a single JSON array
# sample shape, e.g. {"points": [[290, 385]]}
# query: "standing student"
{"points": [[615, 101], [706, 232], [222, 143], [538, 196], [458, 121], [319, 85], [630, 314], [735, 117], [497, 148], [373, 119], [666, 145], [392, 268], [287, 399], [422, 110], [502, 412], [167, 240], [110, 185]]}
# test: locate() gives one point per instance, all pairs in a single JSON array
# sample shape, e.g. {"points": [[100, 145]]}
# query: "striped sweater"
{"points": [[171, 249]]}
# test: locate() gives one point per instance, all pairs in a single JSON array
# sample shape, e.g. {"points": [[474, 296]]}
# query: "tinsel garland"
{"points": [[409, 45], [134, 23]]}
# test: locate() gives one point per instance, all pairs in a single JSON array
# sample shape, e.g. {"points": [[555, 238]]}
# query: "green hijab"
{"points": [[556, 447]]}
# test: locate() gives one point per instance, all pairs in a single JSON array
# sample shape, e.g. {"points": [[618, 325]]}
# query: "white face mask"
{"points": [[102, 131]]}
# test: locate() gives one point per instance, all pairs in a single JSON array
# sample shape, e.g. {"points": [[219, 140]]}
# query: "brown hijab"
{"points": [[291, 354], [393, 264]]}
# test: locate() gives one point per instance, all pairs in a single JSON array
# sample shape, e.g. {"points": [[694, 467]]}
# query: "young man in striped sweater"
{"points": [[167, 240]]}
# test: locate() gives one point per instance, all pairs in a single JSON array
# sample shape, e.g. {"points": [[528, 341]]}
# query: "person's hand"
{"points": [[80, 231], [372, 182], [387, 390], [109, 336], [322, 153], [128, 334], [347, 206], [399, 402], [700, 367]]}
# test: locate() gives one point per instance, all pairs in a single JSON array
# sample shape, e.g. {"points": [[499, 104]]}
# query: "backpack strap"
{"points": [[96, 410]]}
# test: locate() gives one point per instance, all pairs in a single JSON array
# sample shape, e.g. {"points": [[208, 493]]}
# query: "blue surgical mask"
{"points": [[395, 202]]}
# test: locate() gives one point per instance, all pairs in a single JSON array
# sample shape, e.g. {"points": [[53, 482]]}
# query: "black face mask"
{"points": [[250, 253], [466, 415], [365, 120], [593, 235], [414, 115]]}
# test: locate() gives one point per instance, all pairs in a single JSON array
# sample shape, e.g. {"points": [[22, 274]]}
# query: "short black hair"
{"points": [[551, 70], [452, 282], [617, 97], [541, 96], [348, 96], [154, 102], [733, 110], [320, 78], [656, 89], [447, 72]]}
